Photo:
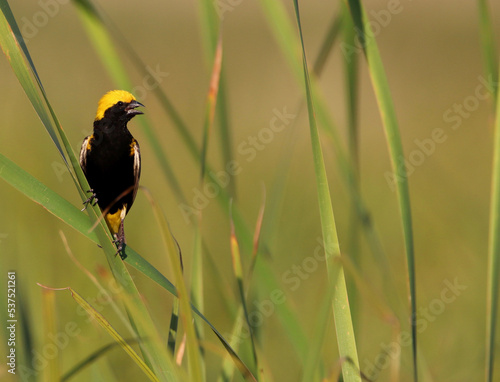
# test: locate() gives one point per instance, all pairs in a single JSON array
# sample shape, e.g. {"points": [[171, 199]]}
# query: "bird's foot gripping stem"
{"points": [[120, 242], [91, 200]]}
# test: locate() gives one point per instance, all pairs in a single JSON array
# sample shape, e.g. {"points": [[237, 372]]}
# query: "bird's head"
{"points": [[118, 105]]}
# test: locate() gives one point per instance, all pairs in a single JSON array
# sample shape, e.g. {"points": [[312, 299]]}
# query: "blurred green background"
{"points": [[431, 53]]}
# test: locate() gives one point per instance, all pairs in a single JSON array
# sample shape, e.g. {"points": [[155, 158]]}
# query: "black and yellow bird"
{"points": [[111, 160]]}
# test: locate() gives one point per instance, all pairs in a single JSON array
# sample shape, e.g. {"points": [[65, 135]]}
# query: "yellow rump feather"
{"points": [[114, 220]]}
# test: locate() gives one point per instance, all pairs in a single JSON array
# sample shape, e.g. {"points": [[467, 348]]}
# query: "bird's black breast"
{"points": [[110, 168]]}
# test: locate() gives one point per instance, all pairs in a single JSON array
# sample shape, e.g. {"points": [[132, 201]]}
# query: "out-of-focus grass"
{"points": [[431, 53]]}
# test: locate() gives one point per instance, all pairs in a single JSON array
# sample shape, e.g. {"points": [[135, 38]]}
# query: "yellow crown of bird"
{"points": [[111, 98]]}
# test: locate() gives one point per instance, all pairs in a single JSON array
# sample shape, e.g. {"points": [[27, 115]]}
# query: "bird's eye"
{"points": [[120, 103]]}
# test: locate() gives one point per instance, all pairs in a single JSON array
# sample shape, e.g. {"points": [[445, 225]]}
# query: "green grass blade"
{"points": [[488, 44], [99, 318], [95, 356], [13, 47], [493, 254], [340, 302], [52, 371], [211, 32], [194, 359], [351, 91], [197, 273], [389, 121], [48, 199], [211, 106], [238, 273], [327, 45]]}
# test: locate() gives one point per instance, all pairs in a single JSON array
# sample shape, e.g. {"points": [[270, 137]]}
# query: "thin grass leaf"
{"points": [[195, 373], [235, 339], [238, 273], [488, 45], [197, 278], [493, 254], [257, 234], [211, 33], [102, 291], [92, 358], [44, 196], [52, 371], [26, 344], [108, 328], [312, 361], [340, 302], [211, 105], [13, 46], [389, 121], [325, 50], [241, 317], [197, 274], [351, 91]]}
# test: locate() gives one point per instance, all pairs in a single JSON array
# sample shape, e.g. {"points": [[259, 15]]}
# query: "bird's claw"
{"points": [[91, 200]]}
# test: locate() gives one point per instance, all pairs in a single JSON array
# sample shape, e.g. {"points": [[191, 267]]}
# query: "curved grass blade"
{"points": [[389, 121], [194, 358], [13, 46], [211, 105], [493, 254], [238, 273], [95, 356], [326, 47], [351, 89], [111, 331], [52, 371], [488, 45], [340, 302]]}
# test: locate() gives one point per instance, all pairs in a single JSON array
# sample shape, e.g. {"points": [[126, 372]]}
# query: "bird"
{"points": [[111, 160]]}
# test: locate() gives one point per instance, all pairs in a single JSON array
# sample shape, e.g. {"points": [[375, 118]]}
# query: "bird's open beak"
{"points": [[131, 108]]}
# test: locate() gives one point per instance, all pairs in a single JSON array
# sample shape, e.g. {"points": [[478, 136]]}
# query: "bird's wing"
{"points": [[83, 152], [137, 166]]}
